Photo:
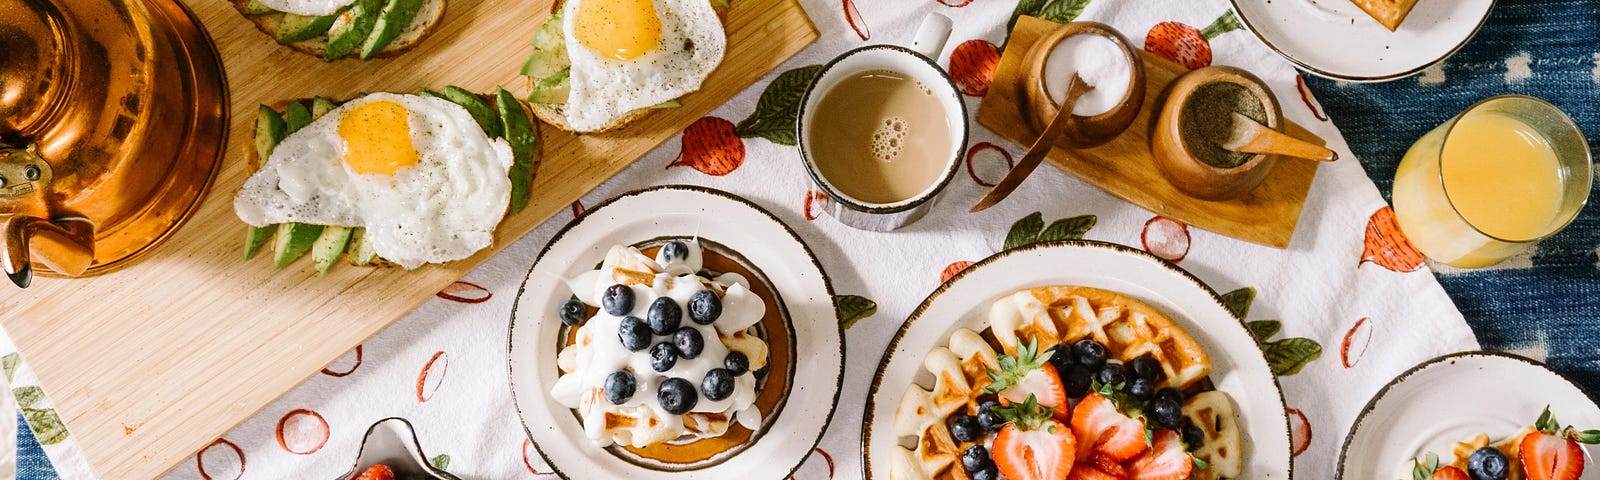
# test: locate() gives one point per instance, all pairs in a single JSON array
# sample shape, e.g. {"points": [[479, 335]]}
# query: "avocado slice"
{"points": [[299, 28], [551, 90], [329, 245], [395, 17], [524, 143], [480, 110], [361, 252], [294, 240], [255, 7], [427, 92], [352, 28], [295, 117], [270, 129], [321, 106], [549, 51]]}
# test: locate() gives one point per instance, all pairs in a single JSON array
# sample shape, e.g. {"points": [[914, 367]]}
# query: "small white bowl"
{"points": [[393, 442]]}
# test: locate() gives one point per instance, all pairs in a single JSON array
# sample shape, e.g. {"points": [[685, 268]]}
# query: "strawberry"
{"points": [[1099, 427], [1104, 463], [1028, 374], [377, 472], [1086, 472], [1032, 445], [1552, 452], [1448, 472], [1166, 460]]}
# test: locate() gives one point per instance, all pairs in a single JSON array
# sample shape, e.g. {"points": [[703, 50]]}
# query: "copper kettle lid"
{"points": [[112, 122]]}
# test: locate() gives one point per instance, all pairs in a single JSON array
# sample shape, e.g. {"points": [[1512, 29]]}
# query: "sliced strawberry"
{"points": [[1086, 472], [1032, 446], [1099, 427], [1028, 374], [1448, 472], [1550, 457], [1104, 463], [377, 472], [1165, 461]]}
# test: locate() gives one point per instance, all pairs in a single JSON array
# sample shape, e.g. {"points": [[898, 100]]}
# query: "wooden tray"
{"points": [[149, 364], [1124, 167]]}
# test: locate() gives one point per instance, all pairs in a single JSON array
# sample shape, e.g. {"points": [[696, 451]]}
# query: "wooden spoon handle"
{"points": [[1273, 142], [1037, 151]]}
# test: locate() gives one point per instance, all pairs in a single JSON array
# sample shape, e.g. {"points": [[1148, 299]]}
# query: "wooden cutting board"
{"points": [[1124, 166], [149, 364]]}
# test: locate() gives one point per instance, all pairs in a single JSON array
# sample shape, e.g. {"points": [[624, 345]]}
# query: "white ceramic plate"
{"points": [[1239, 368], [1335, 39], [1449, 399], [788, 435], [393, 442]]}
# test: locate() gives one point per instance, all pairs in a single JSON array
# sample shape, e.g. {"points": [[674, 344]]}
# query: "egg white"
{"points": [[444, 208], [603, 89]]}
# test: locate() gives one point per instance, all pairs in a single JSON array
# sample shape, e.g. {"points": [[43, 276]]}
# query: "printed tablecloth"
{"points": [[1347, 305]]}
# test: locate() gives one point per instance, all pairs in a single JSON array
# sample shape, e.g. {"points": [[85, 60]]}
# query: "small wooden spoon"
{"points": [[1249, 136], [1036, 153]]}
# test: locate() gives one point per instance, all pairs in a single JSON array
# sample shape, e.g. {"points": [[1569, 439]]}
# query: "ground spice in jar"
{"points": [[1208, 121]]}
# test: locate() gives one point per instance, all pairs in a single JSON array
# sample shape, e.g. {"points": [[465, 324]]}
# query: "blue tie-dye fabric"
{"points": [[1554, 306], [32, 464]]}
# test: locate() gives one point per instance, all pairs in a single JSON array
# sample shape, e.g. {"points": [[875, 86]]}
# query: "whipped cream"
{"points": [[599, 352]]}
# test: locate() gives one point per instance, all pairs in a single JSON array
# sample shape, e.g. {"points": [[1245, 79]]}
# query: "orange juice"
{"points": [[1484, 186]]}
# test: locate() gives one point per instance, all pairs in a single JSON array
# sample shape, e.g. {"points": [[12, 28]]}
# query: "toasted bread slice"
{"points": [[555, 115], [426, 21], [1390, 13]]}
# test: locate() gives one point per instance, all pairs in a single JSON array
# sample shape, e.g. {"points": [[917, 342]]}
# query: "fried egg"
{"points": [[417, 172], [307, 7], [632, 54]]}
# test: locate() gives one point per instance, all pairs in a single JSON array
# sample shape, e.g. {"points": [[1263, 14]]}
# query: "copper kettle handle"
{"points": [[29, 230]]}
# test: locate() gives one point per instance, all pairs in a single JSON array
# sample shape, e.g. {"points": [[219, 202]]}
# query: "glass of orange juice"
{"points": [[1491, 182]]}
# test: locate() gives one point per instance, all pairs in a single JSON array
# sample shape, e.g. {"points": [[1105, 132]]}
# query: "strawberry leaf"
{"points": [[1026, 416], [1014, 368], [778, 106], [1547, 422], [1200, 464]]}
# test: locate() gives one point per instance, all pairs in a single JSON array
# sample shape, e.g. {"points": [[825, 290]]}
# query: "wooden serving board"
{"points": [[148, 364], [1124, 166]]}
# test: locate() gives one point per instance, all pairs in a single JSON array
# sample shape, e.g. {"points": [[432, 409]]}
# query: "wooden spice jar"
{"points": [[1196, 116]]}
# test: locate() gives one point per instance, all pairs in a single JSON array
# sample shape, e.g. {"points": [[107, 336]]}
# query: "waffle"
{"points": [[1213, 412], [640, 426], [1050, 316]]}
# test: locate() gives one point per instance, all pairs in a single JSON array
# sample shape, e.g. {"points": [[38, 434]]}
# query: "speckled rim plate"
{"points": [[1337, 40], [668, 211], [1239, 367], [1450, 398]]}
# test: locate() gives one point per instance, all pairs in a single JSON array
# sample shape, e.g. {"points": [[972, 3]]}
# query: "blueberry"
{"points": [[990, 473], [635, 335], [664, 316], [572, 312], [737, 363], [965, 428], [762, 373], [717, 385], [1076, 380], [1090, 353], [675, 250], [677, 396], [663, 356], [1146, 368], [618, 300], [1142, 388], [704, 307], [1170, 394], [1061, 357], [1112, 374], [619, 386], [1193, 437], [1164, 413], [976, 458], [988, 418], [1488, 463], [689, 342]]}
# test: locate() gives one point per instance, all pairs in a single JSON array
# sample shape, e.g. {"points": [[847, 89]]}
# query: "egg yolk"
{"points": [[618, 29], [377, 138]]}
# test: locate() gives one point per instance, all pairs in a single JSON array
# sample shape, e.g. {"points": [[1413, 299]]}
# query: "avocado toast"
{"points": [[499, 114], [364, 29]]}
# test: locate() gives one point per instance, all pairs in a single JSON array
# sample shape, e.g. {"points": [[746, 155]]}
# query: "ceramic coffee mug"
{"points": [[916, 62]]}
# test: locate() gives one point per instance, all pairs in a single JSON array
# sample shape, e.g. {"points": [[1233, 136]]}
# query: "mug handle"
{"points": [[931, 35]]}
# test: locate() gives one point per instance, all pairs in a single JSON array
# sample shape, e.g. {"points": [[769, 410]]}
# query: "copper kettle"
{"points": [[112, 122]]}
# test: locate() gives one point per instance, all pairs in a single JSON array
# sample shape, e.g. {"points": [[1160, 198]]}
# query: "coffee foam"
{"points": [[890, 138]]}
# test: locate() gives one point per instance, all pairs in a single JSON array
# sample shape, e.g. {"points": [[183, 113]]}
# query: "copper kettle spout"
{"points": [[65, 245]]}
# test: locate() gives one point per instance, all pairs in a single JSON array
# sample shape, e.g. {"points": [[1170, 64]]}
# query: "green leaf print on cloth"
{"points": [[1287, 356], [1032, 229], [779, 105], [853, 308]]}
